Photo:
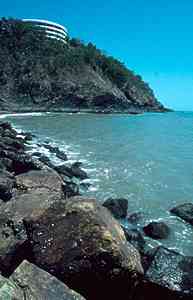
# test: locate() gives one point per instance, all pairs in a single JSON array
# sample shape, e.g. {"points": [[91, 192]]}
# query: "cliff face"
{"points": [[41, 74]]}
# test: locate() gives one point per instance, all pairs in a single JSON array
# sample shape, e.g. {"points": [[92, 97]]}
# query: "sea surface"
{"points": [[147, 159]]}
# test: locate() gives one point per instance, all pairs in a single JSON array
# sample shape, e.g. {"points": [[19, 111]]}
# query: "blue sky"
{"points": [[153, 38]]}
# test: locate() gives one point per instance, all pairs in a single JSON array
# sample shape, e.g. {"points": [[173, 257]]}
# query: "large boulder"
{"points": [[169, 276], [184, 211], [28, 282], [157, 230], [83, 245], [118, 207], [37, 191], [73, 171], [46, 178]]}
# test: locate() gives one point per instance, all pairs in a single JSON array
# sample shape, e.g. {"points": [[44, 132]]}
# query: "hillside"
{"points": [[41, 74]]}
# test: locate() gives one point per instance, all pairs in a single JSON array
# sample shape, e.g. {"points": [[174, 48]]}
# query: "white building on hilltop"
{"points": [[53, 30]]}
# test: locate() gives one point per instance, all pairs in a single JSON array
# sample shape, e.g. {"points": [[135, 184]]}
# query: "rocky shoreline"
{"points": [[54, 241]]}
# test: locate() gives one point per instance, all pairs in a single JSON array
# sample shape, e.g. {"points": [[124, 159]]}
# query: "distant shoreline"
{"points": [[77, 111]]}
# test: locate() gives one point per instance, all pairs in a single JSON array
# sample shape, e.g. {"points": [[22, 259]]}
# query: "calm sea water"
{"points": [[147, 159]]}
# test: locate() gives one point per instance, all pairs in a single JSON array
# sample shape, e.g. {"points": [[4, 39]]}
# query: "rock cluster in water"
{"points": [[54, 242]]}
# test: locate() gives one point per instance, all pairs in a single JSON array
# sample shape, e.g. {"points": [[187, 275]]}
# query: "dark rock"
{"points": [[9, 133], [28, 136], [38, 154], [37, 191], [31, 283], [118, 207], [7, 183], [70, 189], [147, 255], [157, 230], [83, 245], [78, 172], [6, 163], [24, 163], [184, 211], [77, 164], [64, 170], [5, 125], [60, 154], [135, 217], [84, 186], [135, 237], [51, 148], [169, 276], [45, 160], [15, 143]]}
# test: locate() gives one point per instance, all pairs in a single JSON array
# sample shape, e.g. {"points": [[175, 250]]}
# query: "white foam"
{"points": [[33, 114]]}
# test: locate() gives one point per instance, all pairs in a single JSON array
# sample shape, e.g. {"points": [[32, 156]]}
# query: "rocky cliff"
{"points": [[41, 74]]}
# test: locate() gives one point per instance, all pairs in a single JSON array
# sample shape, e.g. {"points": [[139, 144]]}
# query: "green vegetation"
{"points": [[35, 67]]}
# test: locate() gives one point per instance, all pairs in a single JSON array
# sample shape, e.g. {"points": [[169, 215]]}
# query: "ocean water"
{"points": [[147, 159]]}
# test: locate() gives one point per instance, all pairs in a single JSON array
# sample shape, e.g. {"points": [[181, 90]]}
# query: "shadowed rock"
{"points": [[157, 230], [118, 207], [83, 245], [136, 217], [135, 237], [184, 211], [37, 191]]}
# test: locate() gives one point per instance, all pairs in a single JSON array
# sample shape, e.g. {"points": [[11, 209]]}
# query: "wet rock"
{"points": [[77, 164], [64, 170], [184, 211], [38, 154], [73, 171], [78, 172], [59, 153], [28, 282], [28, 136], [7, 183], [136, 217], [169, 276], [135, 237], [70, 189], [45, 160], [157, 230], [118, 207], [84, 186], [83, 245]]}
